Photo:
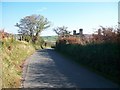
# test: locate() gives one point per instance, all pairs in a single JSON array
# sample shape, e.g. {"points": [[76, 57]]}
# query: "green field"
{"points": [[50, 38]]}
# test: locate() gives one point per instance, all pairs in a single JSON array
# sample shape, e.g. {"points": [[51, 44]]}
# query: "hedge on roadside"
{"points": [[104, 57]]}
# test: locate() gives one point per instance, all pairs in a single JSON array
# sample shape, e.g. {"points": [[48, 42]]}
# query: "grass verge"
{"points": [[12, 56]]}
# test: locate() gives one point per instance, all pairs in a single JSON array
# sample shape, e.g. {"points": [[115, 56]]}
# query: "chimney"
{"points": [[74, 32], [99, 31], [81, 31]]}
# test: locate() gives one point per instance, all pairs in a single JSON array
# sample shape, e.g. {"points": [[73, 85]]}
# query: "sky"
{"points": [[119, 14], [74, 15]]}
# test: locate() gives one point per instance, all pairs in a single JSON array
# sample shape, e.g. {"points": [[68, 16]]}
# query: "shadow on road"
{"points": [[48, 69], [68, 72]]}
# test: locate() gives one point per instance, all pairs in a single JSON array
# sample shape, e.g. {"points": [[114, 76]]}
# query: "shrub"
{"points": [[103, 57]]}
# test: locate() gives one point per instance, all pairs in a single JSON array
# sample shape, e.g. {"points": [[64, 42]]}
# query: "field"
{"points": [[50, 38]]}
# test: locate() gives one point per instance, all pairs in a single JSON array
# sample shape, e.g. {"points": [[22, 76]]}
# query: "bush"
{"points": [[38, 43], [103, 57]]}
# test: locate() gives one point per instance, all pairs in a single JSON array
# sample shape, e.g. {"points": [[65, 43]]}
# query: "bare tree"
{"points": [[61, 31]]}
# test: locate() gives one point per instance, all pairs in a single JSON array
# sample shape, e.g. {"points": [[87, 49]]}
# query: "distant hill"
{"points": [[50, 38]]}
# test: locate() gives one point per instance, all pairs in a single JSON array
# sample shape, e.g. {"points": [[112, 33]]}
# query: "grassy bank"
{"points": [[0, 67], [13, 55], [102, 58]]}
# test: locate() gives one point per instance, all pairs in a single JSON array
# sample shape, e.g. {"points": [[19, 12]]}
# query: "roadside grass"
{"points": [[103, 58], [0, 67], [13, 55]]}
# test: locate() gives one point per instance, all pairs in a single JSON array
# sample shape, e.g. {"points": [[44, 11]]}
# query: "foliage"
{"points": [[12, 56], [32, 26], [104, 57], [106, 35], [61, 31], [12, 61], [50, 41], [0, 68], [72, 40], [38, 44], [101, 54]]}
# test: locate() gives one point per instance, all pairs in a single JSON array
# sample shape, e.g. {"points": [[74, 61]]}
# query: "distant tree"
{"points": [[32, 25], [61, 31]]}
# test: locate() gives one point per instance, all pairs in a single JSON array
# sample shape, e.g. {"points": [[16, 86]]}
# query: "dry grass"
{"points": [[13, 54], [0, 69]]}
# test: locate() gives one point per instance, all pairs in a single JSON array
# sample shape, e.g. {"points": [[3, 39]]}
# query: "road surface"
{"points": [[48, 69]]}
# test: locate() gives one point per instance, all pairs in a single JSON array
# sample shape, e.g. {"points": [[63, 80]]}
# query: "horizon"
{"points": [[74, 15]]}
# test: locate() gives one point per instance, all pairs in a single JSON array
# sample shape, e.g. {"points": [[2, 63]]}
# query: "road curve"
{"points": [[48, 69]]}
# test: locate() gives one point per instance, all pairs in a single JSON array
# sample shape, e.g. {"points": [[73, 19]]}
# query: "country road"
{"points": [[48, 69]]}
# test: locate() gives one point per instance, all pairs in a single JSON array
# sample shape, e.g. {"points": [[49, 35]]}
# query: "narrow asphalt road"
{"points": [[48, 69]]}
